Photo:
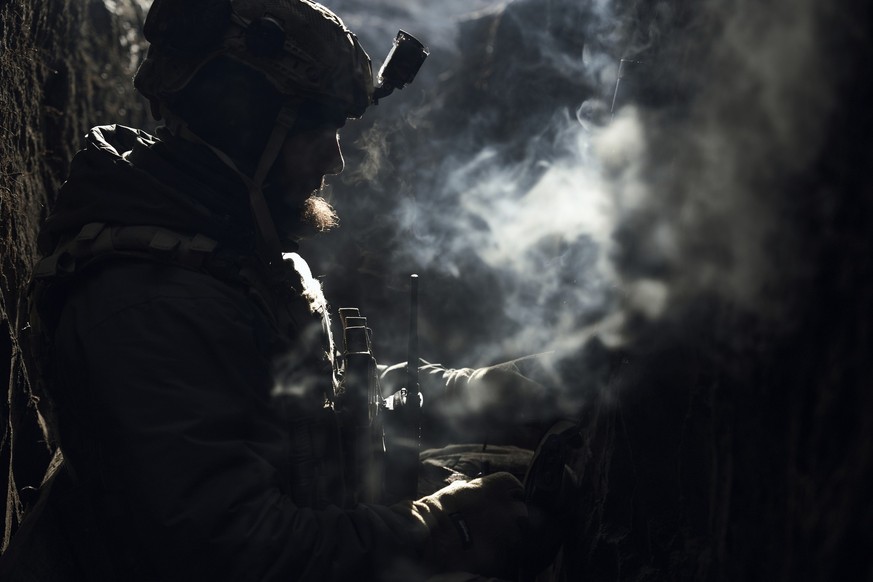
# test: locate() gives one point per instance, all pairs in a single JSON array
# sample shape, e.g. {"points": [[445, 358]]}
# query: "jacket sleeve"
{"points": [[186, 440]]}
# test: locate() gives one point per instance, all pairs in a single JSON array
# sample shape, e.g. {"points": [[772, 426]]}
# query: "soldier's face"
{"points": [[306, 157]]}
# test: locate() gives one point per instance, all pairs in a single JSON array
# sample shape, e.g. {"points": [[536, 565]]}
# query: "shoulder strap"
{"points": [[97, 241], [291, 299]]}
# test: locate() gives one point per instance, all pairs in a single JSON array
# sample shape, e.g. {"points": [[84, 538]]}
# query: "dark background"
{"points": [[727, 396]]}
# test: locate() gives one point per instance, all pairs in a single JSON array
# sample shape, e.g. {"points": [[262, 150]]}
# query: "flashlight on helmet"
{"points": [[401, 65]]}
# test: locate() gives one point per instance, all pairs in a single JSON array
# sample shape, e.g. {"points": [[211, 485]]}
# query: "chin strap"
{"points": [[267, 238]]}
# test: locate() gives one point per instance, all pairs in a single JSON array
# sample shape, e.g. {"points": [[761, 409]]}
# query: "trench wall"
{"points": [[65, 65]]}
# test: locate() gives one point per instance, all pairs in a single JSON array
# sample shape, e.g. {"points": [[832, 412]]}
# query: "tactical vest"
{"points": [[291, 301]]}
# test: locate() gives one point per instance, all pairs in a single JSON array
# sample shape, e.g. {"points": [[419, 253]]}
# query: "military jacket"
{"points": [[193, 391]]}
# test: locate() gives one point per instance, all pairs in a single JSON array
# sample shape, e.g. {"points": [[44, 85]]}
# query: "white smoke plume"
{"points": [[586, 220], [528, 207]]}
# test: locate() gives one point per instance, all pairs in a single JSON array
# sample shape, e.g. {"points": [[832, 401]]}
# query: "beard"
{"points": [[295, 221], [317, 213]]}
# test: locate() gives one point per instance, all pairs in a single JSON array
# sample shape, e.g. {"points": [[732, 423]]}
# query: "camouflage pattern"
{"points": [[300, 46]]}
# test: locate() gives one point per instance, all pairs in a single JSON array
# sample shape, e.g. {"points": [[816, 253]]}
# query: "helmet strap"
{"points": [[267, 237]]}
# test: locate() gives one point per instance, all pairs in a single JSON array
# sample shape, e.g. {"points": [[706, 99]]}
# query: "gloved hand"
{"points": [[476, 526], [500, 390]]}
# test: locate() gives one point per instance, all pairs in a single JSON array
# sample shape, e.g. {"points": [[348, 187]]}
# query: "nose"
{"points": [[333, 156]]}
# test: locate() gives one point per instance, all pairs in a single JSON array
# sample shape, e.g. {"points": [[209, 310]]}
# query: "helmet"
{"points": [[303, 49], [236, 76]]}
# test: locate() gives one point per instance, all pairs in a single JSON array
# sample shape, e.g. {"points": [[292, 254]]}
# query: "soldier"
{"points": [[190, 362]]}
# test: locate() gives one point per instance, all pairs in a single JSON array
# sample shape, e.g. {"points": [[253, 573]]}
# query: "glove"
{"points": [[476, 526], [500, 390]]}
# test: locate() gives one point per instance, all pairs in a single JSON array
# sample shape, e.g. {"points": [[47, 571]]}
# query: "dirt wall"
{"points": [[65, 65]]}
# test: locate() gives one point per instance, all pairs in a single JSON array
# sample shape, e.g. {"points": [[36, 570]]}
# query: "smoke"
{"points": [[540, 214], [544, 226], [507, 189], [713, 221], [376, 23], [130, 16]]}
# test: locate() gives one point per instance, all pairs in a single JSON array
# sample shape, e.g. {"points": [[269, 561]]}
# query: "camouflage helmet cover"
{"points": [[300, 46]]}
